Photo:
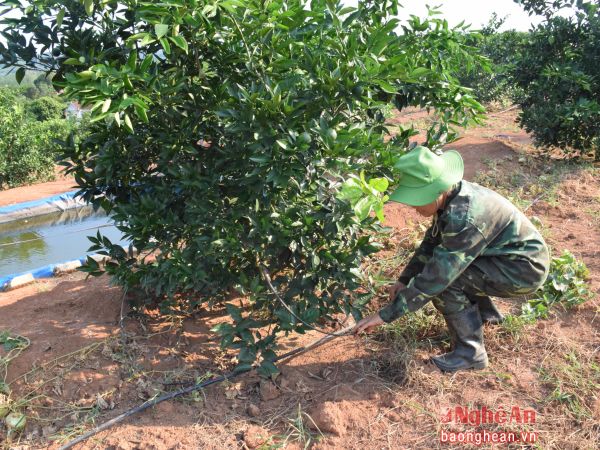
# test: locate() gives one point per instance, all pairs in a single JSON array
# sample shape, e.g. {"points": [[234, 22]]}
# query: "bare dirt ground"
{"points": [[82, 368], [21, 194]]}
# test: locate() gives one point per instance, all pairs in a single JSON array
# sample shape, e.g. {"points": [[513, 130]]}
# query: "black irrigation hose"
{"points": [[196, 387], [147, 405]]}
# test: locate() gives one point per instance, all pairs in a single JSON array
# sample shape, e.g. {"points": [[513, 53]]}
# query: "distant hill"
{"points": [[7, 78]]}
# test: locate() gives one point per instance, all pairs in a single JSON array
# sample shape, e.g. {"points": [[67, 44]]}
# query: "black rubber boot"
{"points": [[487, 309], [466, 333], [489, 312]]}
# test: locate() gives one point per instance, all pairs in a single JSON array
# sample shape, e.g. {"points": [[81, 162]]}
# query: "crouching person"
{"points": [[479, 245]]}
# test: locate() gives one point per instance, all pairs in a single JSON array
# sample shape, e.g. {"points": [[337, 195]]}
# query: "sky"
{"points": [[474, 12]]}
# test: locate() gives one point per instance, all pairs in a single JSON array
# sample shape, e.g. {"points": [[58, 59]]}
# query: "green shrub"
{"points": [[222, 133], [558, 73], [493, 82], [45, 108], [28, 148]]}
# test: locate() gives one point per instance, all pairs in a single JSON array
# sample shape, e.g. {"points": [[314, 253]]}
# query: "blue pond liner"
{"points": [[27, 210], [41, 272], [37, 203]]}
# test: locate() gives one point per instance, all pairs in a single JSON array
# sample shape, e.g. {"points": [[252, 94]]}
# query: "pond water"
{"points": [[53, 238]]}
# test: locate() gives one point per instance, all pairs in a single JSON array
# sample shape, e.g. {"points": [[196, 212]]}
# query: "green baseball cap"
{"points": [[426, 175]]}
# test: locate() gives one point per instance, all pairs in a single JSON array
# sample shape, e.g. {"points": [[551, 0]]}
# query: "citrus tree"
{"points": [[243, 143], [493, 82], [45, 108], [557, 72]]}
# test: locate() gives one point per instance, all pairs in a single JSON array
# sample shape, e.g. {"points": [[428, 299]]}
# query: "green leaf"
{"points": [[89, 7], [11, 343], [243, 367], [247, 355], [137, 37], [234, 312], [210, 10], [379, 184], [146, 63], [180, 42], [132, 60], [222, 328], [311, 315], [227, 340], [351, 191], [378, 208], [98, 117], [561, 287], [147, 40], [20, 74], [141, 113], [387, 87], [72, 62], [165, 45], [161, 29], [316, 260], [106, 105], [60, 17], [363, 207], [127, 82], [267, 369], [127, 122], [260, 159], [419, 72]]}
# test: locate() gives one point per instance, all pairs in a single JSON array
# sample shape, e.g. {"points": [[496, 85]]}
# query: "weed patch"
{"points": [[299, 431], [400, 340], [566, 285], [573, 384]]}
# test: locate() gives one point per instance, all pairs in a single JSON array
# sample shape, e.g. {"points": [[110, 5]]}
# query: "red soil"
{"points": [[21, 194]]}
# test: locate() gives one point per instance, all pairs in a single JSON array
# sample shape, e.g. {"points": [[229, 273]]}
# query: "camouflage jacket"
{"points": [[475, 222]]}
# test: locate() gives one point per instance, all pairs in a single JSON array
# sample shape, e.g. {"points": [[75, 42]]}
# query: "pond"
{"points": [[53, 238]]}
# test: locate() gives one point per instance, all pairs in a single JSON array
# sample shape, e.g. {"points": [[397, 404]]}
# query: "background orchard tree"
{"points": [[558, 73], [29, 131], [241, 138], [493, 81]]}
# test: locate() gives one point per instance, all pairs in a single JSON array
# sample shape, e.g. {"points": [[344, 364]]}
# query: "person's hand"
{"points": [[367, 323], [394, 290]]}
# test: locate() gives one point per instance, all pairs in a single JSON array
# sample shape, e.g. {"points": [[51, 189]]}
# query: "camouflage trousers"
{"points": [[490, 276]]}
